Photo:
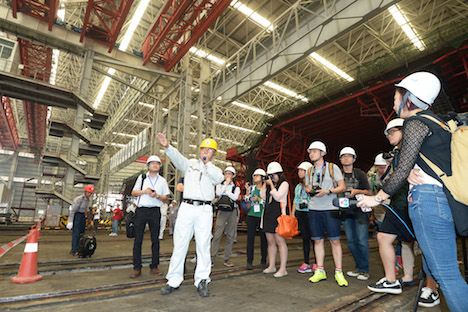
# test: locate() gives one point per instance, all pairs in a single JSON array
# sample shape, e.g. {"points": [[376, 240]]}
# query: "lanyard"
{"points": [[319, 181], [155, 182]]}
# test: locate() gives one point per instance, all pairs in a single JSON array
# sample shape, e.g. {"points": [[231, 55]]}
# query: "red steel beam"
{"points": [[45, 10], [104, 19], [180, 24], [9, 138], [37, 61]]}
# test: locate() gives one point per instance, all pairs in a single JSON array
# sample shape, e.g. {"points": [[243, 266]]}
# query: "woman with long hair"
{"points": [[275, 205]]}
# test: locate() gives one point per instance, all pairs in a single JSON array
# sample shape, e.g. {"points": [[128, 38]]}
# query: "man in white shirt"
{"points": [[152, 191], [227, 193], [195, 214]]}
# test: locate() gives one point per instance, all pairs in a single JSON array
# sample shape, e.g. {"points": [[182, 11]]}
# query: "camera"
{"points": [[315, 188], [388, 155], [303, 206], [264, 178], [347, 193]]}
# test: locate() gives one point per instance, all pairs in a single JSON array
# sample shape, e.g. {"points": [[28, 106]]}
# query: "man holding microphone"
{"points": [[195, 214]]}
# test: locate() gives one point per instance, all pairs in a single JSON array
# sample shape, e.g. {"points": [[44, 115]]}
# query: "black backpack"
{"points": [[86, 246], [130, 217]]}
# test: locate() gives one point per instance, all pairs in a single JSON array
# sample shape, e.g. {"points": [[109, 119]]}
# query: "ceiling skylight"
{"points": [[103, 89], [254, 16], [204, 54], [140, 10], [285, 91], [405, 24], [254, 109], [332, 67]]}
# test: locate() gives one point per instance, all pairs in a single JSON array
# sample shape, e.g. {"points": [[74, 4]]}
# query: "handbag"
{"points": [[287, 224]]}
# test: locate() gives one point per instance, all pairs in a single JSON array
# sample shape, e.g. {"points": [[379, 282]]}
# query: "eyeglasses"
{"points": [[392, 131]]}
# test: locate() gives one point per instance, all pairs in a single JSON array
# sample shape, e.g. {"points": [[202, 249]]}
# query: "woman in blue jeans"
{"points": [[428, 205]]}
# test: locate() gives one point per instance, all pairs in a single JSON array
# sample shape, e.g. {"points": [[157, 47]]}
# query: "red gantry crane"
{"points": [[180, 24]]}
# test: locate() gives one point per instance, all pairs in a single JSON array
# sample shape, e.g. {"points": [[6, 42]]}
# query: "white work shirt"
{"points": [[158, 183], [199, 179], [232, 191]]}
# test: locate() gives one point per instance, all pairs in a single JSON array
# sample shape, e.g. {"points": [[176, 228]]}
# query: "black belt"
{"points": [[150, 207], [196, 202]]}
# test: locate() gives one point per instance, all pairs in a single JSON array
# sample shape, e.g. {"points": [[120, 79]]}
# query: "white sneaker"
{"points": [[428, 298], [363, 276], [384, 286]]}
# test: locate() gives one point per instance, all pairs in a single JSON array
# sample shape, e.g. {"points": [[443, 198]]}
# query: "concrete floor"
{"points": [[232, 290]]}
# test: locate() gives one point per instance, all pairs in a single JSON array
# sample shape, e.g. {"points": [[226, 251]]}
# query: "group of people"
{"points": [[411, 203]]}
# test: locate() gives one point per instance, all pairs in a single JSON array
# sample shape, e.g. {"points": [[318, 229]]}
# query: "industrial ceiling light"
{"points": [[405, 24], [254, 16], [140, 10], [331, 67], [254, 109], [285, 91]]}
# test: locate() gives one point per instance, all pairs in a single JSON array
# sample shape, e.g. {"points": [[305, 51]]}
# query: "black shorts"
{"points": [[392, 225]]}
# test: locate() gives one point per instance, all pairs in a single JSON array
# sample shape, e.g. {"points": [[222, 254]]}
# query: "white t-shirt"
{"points": [[158, 184]]}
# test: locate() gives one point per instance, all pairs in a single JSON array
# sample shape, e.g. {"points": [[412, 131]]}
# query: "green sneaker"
{"points": [[340, 279], [319, 275]]}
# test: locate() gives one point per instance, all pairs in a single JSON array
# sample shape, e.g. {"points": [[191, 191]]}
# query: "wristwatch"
{"points": [[158, 197], [378, 198]]}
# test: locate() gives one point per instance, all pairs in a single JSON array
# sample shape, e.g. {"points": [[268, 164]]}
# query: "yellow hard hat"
{"points": [[210, 143]]}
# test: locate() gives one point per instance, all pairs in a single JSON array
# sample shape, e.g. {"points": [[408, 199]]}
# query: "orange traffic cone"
{"points": [[28, 268]]}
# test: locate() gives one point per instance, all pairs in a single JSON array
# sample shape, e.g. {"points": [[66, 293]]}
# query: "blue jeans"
{"points": [[435, 231], [357, 232], [79, 224], [115, 226]]}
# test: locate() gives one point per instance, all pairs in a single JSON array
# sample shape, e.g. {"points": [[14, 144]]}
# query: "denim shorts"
{"points": [[325, 221]]}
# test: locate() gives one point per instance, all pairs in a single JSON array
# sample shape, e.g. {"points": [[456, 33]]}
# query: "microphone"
{"points": [[344, 203]]}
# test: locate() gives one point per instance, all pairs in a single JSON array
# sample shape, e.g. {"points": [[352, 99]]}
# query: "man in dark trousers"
{"points": [[77, 219], [152, 191]]}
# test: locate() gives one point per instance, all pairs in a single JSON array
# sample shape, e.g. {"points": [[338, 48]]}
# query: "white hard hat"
{"points": [[397, 122], [424, 85], [317, 145], [153, 158], [348, 150], [305, 165], [259, 172], [230, 169], [274, 167], [379, 160]]}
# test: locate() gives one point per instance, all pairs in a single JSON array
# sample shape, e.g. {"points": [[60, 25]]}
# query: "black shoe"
{"points": [[263, 265], [405, 284], [166, 290], [428, 298], [203, 290], [249, 266], [384, 286]]}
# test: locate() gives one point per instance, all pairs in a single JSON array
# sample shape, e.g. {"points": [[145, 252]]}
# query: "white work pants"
{"points": [[191, 220], [162, 225]]}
